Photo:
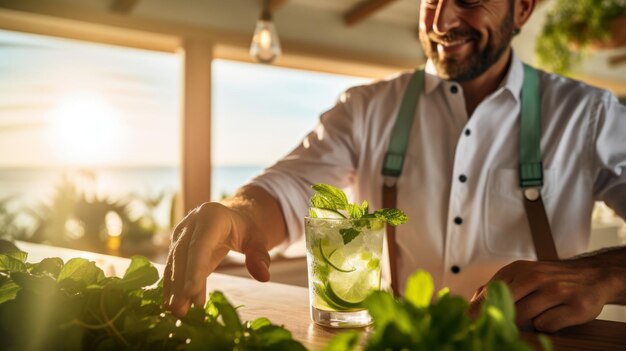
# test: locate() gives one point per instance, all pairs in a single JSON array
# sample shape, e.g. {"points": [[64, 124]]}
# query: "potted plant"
{"points": [[572, 27]]}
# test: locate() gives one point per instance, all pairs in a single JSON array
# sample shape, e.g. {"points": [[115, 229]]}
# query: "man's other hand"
{"points": [[558, 294]]}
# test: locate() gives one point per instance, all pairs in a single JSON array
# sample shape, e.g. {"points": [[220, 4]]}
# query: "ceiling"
{"points": [[385, 34]]}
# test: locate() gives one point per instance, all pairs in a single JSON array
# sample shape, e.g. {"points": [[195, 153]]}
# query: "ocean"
{"points": [[28, 187]]}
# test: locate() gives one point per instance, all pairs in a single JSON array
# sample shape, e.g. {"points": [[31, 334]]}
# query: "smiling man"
{"points": [[462, 183]]}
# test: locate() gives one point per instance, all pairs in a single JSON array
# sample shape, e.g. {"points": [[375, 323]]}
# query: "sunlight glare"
{"points": [[85, 129]]}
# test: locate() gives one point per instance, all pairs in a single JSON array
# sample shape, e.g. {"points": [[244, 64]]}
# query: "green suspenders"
{"points": [[530, 170]]}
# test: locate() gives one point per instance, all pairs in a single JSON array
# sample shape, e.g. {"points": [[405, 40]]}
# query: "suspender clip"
{"points": [[532, 193]]}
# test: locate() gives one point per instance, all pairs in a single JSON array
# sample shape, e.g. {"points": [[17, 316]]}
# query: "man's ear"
{"points": [[523, 10]]}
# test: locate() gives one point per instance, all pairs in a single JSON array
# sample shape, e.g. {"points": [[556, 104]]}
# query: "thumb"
{"points": [[476, 301], [258, 262]]}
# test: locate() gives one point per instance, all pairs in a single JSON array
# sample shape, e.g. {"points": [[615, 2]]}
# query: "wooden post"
{"points": [[196, 128]]}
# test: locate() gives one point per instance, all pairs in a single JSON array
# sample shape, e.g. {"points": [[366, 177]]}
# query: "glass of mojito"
{"points": [[343, 259]]}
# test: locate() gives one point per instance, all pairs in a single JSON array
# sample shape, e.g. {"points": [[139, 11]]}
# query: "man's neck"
{"points": [[477, 89]]}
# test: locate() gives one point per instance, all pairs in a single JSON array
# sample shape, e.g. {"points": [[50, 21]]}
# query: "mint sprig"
{"points": [[415, 323], [52, 305], [330, 198]]}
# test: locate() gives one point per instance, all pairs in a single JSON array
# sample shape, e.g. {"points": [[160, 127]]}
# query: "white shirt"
{"points": [[584, 157]]}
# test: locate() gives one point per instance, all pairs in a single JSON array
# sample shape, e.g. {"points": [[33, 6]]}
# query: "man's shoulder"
{"points": [[568, 89]]}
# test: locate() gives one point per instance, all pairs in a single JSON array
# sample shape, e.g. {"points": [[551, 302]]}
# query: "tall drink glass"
{"points": [[343, 261]]}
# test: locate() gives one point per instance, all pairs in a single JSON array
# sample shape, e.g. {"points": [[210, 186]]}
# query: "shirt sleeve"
{"points": [[328, 154], [610, 154]]}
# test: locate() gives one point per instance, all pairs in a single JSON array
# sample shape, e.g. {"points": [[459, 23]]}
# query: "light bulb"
{"points": [[265, 46]]}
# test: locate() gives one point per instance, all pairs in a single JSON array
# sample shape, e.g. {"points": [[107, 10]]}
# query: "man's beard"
{"points": [[477, 63]]}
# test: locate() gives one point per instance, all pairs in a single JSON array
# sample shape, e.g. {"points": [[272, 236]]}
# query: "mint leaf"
{"points": [[84, 310], [419, 289], [80, 270], [344, 342], [9, 263], [321, 201], [355, 211], [348, 234], [330, 196], [499, 296], [139, 273], [259, 323], [417, 324], [50, 265], [8, 290], [392, 216]]}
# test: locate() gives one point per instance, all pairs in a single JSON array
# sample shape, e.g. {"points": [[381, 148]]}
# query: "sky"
{"points": [[72, 103]]}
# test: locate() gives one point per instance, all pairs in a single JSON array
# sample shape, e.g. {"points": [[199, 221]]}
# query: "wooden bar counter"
{"points": [[289, 306]]}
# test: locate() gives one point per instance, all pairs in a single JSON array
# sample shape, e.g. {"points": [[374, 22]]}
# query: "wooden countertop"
{"points": [[289, 305]]}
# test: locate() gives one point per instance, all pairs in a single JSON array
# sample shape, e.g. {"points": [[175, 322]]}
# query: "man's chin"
{"points": [[449, 70]]}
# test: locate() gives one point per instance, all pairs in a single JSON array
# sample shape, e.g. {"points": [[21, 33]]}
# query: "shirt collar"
{"points": [[512, 81]]}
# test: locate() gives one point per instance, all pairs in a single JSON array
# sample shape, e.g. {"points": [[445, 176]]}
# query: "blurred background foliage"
{"points": [[74, 217]]}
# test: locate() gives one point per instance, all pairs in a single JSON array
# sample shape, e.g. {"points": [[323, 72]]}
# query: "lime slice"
{"points": [[326, 259], [341, 301], [349, 290], [324, 213]]}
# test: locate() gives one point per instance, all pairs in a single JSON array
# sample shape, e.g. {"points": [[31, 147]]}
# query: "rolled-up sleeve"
{"points": [[610, 154], [328, 154]]}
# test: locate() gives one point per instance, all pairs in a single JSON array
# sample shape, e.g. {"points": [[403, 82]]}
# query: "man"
{"points": [[459, 186]]}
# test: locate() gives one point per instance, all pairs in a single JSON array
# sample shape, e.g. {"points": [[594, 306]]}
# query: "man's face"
{"points": [[463, 38]]}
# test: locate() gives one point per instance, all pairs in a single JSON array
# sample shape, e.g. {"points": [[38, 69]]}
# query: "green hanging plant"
{"points": [[571, 27]]}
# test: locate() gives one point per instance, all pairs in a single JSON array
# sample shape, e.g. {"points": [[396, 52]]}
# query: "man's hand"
{"points": [[555, 295], [250, 223]]}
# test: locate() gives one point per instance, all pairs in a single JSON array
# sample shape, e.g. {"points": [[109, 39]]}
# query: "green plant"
{"points": [[9, 227], [71, 218], [575, 24], [52, 305], [417, 324]]}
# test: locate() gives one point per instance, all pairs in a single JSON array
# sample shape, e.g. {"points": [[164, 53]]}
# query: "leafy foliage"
{"points": [[53, 305], [417, 324], [76, 217], [330, 198], [581, 22]]}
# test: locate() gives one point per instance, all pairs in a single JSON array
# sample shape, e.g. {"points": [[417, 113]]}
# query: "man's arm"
{"points": [[559, 294], [250, 222]]}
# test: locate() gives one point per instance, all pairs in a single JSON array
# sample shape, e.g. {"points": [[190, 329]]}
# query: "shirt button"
{"points": [[455, 269], [462, 178], [458, 220], [454, 89], [468, 132]]}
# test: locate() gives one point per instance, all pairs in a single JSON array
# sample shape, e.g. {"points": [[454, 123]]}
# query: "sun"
{"points": [[86, 129]]}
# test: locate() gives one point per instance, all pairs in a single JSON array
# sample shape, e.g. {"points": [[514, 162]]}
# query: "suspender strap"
{"points": [[530, 171], [531, 168], [390, 196], [394, 160]]}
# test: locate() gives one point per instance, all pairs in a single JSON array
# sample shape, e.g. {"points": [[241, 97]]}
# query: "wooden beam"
{"points": [[41, 17], [123, 7], [362, 10], [277, 4]]}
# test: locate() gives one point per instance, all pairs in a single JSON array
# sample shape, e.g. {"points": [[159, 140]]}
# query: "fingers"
{"points": [[167, 273], [200, 299], [477, 299], [206, 250], [534, 304], [178, 301], [196, 254], [257, 261], [560, 317]]}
